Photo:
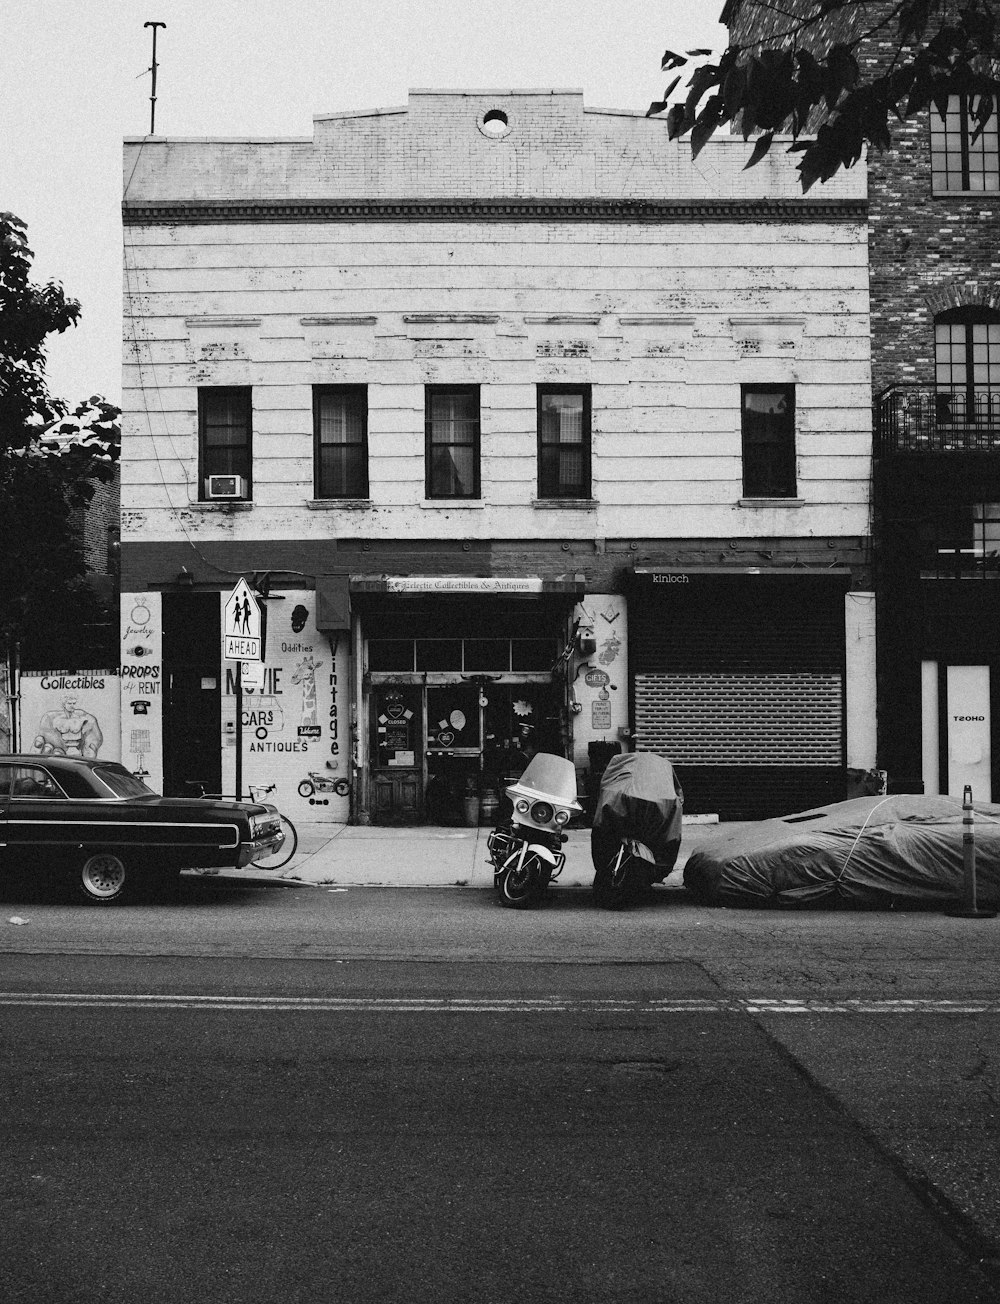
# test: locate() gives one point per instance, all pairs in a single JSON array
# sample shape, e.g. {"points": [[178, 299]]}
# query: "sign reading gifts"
{"points": [[295, 714]]}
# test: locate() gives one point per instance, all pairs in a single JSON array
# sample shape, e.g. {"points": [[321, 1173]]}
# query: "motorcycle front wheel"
{"points": [[621, 880], [521, 883]]}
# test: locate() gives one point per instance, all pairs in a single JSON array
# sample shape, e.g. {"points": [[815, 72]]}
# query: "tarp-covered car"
{"points": [[872, 852], [111, 836]]}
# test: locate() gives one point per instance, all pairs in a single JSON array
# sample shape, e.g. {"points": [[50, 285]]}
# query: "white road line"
{"points": [[500, 1004]]}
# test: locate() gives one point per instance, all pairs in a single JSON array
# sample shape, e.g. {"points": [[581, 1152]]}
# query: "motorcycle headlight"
{"points": [[562, 816], [541, 812], [522, 805]]}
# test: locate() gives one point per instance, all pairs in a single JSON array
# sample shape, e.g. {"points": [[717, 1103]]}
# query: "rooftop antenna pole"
{"points": [[152, 98]]}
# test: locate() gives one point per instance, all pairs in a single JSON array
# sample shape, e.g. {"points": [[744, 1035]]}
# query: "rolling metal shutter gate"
{"points": [[739, 681]]}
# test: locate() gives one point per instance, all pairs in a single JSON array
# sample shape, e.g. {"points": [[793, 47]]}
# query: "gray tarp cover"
{"points": [[869, 852], [639, 798]]}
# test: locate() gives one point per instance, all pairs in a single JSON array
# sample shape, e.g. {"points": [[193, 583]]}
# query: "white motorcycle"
{"points": [[526, 852]]}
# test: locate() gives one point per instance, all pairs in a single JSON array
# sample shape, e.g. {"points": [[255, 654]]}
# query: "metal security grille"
{"points": [[746, 720]]}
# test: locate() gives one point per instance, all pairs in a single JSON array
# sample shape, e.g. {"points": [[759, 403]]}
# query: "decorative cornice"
{"points": [[450, 318], [216, 323], [340, 319], [194, 212]]}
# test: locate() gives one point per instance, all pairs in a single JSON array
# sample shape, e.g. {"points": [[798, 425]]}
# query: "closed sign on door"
{"points": [[969, 731]]}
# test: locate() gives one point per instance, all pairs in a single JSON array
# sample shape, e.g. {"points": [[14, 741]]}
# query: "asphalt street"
{"points": [[283, 1093]]}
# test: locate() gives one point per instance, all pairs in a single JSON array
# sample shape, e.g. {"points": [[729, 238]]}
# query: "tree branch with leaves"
{"points": [[51, 459], [792, 77]]}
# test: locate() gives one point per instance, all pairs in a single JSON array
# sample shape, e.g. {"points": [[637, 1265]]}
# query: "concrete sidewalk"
{"points": [[345, 855]]}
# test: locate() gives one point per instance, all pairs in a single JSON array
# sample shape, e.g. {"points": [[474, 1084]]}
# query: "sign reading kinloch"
{"points": [[661, 578]]}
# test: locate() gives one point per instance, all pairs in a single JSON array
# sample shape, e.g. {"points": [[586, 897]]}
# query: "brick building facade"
{"points": [[934, 254], [529, 428]]}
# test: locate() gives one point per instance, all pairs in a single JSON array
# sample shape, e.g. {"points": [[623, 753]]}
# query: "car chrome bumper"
{"points": [[251, 852]]}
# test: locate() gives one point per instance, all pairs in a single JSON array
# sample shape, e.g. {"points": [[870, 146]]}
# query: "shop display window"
{"points": [[466, 656]]}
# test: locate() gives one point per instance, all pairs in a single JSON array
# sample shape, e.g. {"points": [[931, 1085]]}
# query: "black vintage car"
{"points": [[113, 837]]}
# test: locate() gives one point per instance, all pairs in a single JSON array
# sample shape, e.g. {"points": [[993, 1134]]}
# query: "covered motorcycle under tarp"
{"points": [[872, 852], [640, 802]]}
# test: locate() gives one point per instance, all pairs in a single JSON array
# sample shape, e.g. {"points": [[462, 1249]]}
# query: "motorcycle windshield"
{"points": [[552, 775]]}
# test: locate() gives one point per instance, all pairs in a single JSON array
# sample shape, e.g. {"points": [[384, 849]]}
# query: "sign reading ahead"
{"points": [[242, 633]]}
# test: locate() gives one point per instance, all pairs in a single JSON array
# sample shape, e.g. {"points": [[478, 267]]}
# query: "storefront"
{"points": [[384, 699], [740, 678], [462, 680]]}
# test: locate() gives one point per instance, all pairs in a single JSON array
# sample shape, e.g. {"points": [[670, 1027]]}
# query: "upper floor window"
{"points": [[564, 441], [961, 159], [967, 366], [768, 441], [340, 441], [224, 442], [962, 541], [451, 422]]}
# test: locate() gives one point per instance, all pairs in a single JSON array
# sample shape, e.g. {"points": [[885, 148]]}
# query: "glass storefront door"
{"points": [[397, 754], [454, 751]]}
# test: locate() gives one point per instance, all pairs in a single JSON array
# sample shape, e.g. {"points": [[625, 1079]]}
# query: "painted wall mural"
{"points": [[141, 687], [71, 713], [599, 679], [295, 730]]}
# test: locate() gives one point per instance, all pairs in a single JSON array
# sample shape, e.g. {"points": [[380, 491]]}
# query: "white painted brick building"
{"points": [[468, 365]]}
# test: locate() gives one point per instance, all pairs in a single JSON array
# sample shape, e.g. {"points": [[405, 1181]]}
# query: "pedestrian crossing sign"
{"points": [[243, 625]]}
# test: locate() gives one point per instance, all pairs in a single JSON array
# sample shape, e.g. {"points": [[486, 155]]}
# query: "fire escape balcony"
{"points": [[933, 419]]}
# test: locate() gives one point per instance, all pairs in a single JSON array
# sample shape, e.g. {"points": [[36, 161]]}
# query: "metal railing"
{"points": [[932, 419]]}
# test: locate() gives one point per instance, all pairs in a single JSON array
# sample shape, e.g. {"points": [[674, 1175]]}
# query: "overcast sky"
{"points": [[74, 81]]}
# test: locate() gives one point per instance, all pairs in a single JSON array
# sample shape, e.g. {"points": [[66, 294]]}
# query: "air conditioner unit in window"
{"points": [[225, 486]]}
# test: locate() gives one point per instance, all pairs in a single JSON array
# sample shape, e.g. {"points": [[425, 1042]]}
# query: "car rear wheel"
{"points": [[104, 879]]}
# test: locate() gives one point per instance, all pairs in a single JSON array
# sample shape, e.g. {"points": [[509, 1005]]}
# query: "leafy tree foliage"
{"points": [[799, 76], [51, 459]]}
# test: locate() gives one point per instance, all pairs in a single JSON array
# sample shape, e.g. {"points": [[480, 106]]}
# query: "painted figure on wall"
{"points": [[69, 731], [305, 676]]}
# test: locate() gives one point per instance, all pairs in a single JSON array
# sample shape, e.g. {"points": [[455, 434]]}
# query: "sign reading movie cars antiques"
{"points": [[242, 626]]}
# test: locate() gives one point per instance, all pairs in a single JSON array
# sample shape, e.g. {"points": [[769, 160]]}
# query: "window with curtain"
{"points": [[768, 441], [564, 441], [451, 418], [340, 441], [963, 155], [967, 366], [224, 434]]}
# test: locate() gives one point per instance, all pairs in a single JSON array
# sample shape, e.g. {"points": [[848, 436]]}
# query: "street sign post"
{"points": [[243, 626], [252, 676], [243, 642]]}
